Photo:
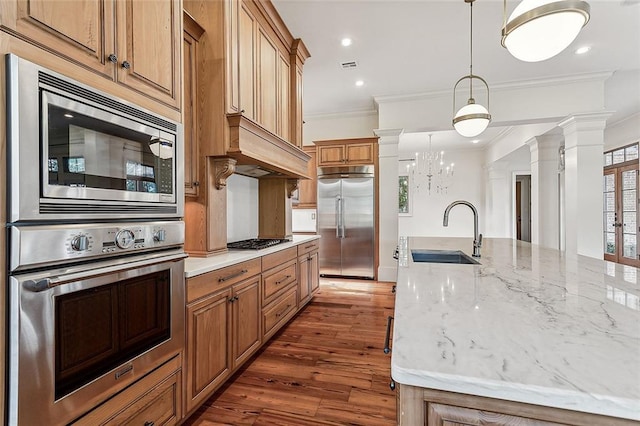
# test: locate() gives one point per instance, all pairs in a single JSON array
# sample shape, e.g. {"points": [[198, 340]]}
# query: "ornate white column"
{"points": [[583, 144], [545, 209], [388, 202]]}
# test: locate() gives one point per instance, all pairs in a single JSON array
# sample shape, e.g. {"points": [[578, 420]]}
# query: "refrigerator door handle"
{"points": [[338, 216], [342, 228]]}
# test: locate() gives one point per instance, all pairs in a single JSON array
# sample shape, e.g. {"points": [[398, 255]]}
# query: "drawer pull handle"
{"points": [[309, 246], [233, 299], [149, 423], [283, 311], [387, 335], [228, 277], [284, 279]]}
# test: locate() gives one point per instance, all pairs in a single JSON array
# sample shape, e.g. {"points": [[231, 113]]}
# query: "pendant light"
{"points": [[540, 29], [472, 119]]}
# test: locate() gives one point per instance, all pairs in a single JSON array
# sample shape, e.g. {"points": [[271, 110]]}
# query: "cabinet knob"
{"points": [[126, 65], [113, 58], [241, 111], [196, 183]]}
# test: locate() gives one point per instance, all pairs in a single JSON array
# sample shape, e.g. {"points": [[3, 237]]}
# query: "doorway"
{"points": [[523, 207], [621, 214]]}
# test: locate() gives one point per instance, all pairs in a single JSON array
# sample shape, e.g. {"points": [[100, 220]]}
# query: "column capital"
{"points": [[388, 136], [544, 147], [585, 121]]}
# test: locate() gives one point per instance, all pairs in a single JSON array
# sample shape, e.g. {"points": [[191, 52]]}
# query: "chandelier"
{"points": [[428, 170]]}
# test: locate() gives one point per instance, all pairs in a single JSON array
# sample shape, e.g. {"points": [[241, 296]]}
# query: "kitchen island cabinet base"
{"points": [[420, 406]]}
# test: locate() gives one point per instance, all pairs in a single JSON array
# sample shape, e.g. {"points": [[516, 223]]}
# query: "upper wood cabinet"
{"points": [[346, 152], [308, 188], [136, 43], [246, 53], [191, 36]]}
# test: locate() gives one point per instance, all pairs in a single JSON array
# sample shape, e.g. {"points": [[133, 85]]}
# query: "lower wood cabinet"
{"points": [[232, 311], [223, 330], [430, 407], [153, 400]]}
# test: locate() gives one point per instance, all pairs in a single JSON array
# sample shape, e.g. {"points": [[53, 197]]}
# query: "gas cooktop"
{"points": [[256, 243]]}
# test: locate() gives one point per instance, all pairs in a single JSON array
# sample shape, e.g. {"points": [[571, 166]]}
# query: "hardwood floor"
{"points": [[326, 367]]}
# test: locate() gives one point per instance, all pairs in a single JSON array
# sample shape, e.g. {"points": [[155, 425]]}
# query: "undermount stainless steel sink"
{"points": [[442, 256]]}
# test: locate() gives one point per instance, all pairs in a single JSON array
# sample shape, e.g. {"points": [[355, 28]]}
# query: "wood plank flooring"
{"points": [[326, 367]]}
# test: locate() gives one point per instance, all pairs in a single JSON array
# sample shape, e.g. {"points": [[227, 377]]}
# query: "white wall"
{"points": [[339, 126], [242, 208], [467, 184]]}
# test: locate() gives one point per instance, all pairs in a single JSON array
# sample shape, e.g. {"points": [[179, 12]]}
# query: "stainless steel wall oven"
{"points": [[95, 242], [98, 157]]}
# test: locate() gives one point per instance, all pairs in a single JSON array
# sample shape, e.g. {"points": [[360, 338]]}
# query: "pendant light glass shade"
{"points": [[540, 29], [471, 120]]}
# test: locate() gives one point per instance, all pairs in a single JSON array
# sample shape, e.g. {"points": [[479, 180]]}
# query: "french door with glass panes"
{"points": [[621, 214]]}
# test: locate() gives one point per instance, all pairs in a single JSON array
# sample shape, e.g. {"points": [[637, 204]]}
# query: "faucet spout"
{"points": [[477, 237]]}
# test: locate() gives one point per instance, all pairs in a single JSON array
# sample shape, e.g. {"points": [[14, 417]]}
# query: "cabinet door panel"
{"points": [[189, 48], [314, 273], [267, 85], [361, 153], [303, 279], [208, 334], [148, 40], [246, 320], [328, 155], [80, 30], [283, 99], [247, 66]]}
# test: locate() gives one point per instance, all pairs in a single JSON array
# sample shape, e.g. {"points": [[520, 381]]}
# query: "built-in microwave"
{"points": [[76, 152]]}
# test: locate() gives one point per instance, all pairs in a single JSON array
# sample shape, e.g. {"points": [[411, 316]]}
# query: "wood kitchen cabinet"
{"points": [[421, 406], [308, 272], [156, 399], [280, 293], [135, 43], [308, 188], [346, 152], [223, 327], [191, 36]]}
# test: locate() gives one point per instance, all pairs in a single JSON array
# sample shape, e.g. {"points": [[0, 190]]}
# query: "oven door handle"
{"points": [[43, 284]]}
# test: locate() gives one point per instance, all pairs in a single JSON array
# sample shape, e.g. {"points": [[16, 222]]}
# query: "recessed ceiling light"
{"points": [[68, 115], [346, 42], [359, 83], [582, 50], [475, 141]]}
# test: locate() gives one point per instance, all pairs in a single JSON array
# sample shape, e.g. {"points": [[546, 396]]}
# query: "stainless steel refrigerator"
{"points": [[346, 212]]}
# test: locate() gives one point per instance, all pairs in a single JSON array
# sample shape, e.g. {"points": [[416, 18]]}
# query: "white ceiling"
{"points": [[420, 46]]}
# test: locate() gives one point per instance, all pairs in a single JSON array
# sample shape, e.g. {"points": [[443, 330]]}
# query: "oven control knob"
{"points": [[125, 239], [80, 243], [160, 235]]}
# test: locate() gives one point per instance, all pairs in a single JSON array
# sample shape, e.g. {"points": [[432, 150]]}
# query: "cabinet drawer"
{"points": [[278, 280], [274, 259], [202, 285], [308, 246], [279, 312], [154, 399]]}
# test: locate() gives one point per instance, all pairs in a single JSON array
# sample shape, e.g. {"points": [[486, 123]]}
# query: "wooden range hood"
{"points": [[252, 145]]}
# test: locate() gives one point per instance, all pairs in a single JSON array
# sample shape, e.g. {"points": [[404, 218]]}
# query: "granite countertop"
{"points": [[528, 324], [200, 265]]}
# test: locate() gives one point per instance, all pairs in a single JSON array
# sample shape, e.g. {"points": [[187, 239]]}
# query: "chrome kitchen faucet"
{"points": [[477, 238]]}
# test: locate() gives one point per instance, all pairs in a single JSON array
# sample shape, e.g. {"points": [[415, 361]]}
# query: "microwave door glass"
{"points": [[88, 154]]}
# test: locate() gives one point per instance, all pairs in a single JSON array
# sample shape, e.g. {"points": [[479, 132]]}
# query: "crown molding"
{"points": [[535, 83], [345, 114]]}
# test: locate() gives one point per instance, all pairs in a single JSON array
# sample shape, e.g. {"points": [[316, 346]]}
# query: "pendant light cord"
{"points": [[471, 51]]}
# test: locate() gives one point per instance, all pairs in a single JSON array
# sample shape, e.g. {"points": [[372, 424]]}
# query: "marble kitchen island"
{"points": [[529, 335]]}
